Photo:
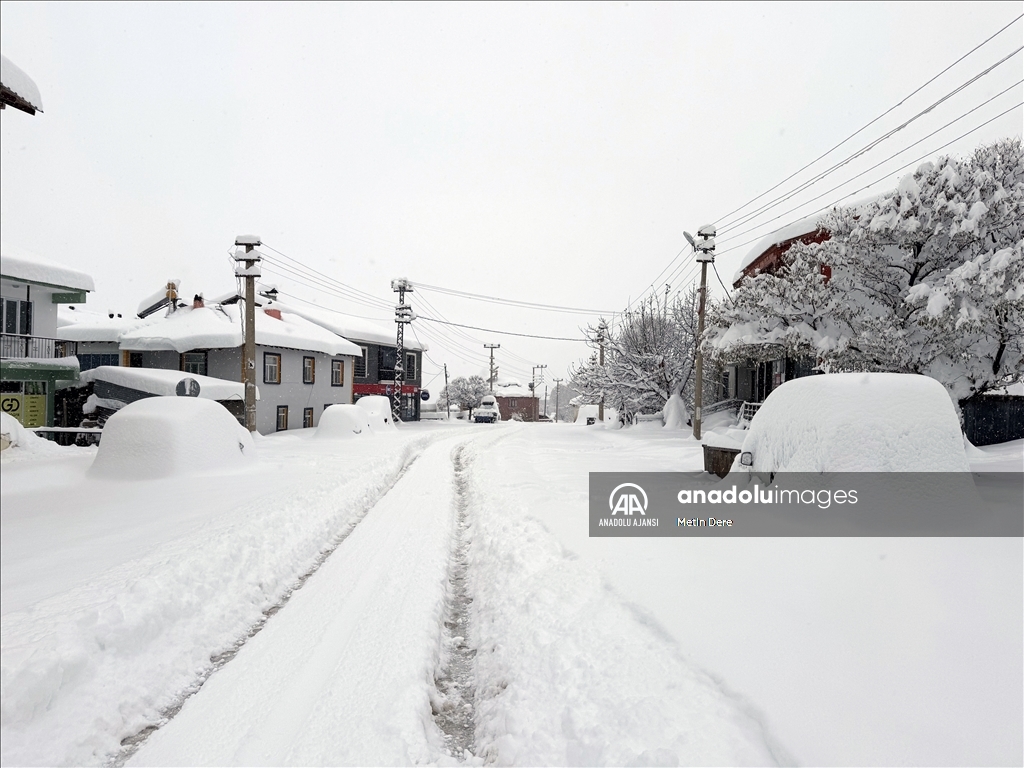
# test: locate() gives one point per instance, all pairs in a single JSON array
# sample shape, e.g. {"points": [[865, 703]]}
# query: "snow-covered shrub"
{"points": [[162, 436]]}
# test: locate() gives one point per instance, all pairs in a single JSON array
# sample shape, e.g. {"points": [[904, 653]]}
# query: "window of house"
{"points": [[194, 362], [359, 366], [308, 370], [307, 418], [512, 402], [25, 318], [10, 316], [134, 359], [386, 357], [410, 367], [282, 416], [272, 374], [337, 373], [87, 362]]}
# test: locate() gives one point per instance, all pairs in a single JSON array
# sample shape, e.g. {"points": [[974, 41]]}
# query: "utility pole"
{"points": [[533, 378], [545, 400], [705, 248], [403, 316], [492, 347], [558, 388], [447, 395], [251, 258], [602, 329]]}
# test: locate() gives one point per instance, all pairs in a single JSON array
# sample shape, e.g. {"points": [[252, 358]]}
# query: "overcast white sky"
{"points": [[546, 153]]}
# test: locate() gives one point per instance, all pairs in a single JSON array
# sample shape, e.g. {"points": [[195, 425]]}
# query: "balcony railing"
{"points": [[12, 345]]}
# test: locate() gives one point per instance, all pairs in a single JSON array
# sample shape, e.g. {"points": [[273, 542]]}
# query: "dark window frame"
{"points": [[307, 418], [311, 379], [338, 367], [266, 357], [282, 410], [361, 363], [205, 362], [411, 367]]}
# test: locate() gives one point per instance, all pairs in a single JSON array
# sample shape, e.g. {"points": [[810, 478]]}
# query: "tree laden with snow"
{"points": [[649, 359], [925, 279], [796, 311], [466, 392]]}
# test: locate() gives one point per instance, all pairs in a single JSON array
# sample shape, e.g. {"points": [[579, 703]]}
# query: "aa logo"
{"points": [[626, 501]]}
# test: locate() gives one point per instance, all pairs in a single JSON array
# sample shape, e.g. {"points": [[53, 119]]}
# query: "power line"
{"points": [[357, 291], [510, 302], [876, 181], [872, 122], [505, 333], [842, 163]]}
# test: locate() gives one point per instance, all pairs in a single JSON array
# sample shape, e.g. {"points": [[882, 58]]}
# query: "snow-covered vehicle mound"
{"points": [[18, 441], [488, 411], [378, 408], [339, 422], [163, 436], [856, 422]]}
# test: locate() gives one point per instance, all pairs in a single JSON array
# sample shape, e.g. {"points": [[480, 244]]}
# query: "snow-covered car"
{"points": [[855, 422], [487, 412]]}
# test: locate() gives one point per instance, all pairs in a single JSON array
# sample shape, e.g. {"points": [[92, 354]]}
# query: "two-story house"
{"points": [[302, 367], [34, 362], [374, 372]]}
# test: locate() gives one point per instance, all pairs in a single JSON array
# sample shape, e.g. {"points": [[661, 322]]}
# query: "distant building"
{"points": [[516, 403], [34, 361]]}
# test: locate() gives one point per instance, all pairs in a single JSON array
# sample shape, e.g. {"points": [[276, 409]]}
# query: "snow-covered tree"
{"points": [[925, 279], [797, 310], [466, 392], [649, 358]]}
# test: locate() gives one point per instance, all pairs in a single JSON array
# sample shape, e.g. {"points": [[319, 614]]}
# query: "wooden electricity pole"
{"points": [[558, 388], [601, 331], [492, 347], [251, 258], [705, 248]]}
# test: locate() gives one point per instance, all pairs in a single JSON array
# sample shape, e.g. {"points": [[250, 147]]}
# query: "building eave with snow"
{"points": [[17, 89]]}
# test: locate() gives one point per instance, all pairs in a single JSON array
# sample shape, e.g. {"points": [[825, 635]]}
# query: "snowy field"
{"points": [[401, 597]]}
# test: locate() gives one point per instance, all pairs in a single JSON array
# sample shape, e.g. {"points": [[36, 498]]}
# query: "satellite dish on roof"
{"points": [[187, 387]]}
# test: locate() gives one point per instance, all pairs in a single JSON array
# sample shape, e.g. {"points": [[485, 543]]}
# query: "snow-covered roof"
{"points": [[354, 328], [220, 327], [15, 80], [781, 235], [163, 382], [19, 264], [77, 324], [512, 390]]}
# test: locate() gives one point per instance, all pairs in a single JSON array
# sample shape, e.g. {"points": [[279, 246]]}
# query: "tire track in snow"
{"points": [[454, 707], [455, 681], [131, 744]]}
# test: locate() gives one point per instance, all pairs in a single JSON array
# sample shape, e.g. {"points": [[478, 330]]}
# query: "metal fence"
{"points": [[13, 345]]}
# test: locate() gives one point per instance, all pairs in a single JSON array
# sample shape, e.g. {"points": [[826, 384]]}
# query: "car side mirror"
{"points": [[747, 459]]}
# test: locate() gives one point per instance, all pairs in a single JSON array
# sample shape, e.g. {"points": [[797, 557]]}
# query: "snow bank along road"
{"points": [[360, 667]]}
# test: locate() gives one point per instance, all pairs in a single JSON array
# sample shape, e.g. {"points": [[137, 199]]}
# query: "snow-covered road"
{"points": [[347, 602]]}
